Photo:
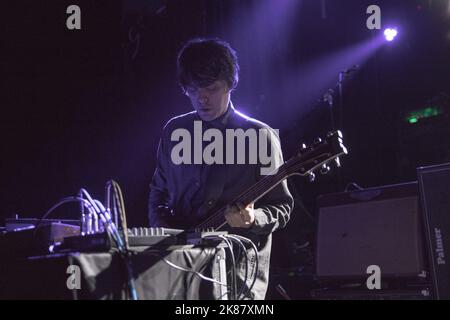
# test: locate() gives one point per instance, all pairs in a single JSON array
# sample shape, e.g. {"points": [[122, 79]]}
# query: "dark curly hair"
{"points": [[203, 61]]}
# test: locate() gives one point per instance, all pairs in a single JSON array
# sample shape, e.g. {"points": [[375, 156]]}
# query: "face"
{"points": [[210, 102]]}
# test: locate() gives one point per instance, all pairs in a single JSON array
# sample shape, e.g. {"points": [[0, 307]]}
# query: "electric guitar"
{"points": [[304, 163]]}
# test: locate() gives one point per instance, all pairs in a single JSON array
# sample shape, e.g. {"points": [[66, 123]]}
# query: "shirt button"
{"points": [[210, 202]]}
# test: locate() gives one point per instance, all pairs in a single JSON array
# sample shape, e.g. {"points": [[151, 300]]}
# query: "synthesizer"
{"points": [[142, 237], [153, 236], [166, 236]]}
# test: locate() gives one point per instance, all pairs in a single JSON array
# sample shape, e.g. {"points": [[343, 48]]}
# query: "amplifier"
{"points": [[377, 226], [434, 186]]}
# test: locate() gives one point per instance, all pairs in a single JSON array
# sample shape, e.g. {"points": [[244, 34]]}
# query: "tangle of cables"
{"points": [[98, 220], [236, 255]]}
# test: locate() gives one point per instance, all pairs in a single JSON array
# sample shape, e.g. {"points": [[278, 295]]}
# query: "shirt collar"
{"points": [[222, 121]]}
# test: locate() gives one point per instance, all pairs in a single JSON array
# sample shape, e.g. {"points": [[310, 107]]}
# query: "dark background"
{"points": [[81, 107]]}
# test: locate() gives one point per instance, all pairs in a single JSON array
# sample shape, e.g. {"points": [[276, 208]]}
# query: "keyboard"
{"points": [[143, 236]]}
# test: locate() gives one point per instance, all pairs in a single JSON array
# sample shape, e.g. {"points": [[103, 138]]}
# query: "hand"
{"points": [[164, 217], [239, 216]]}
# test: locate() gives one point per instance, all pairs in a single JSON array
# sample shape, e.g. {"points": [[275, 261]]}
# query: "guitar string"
{"points": [[218, 216], [259, 186]]}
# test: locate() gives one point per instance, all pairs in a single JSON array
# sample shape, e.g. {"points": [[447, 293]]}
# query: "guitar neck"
{"points": [[251, 195], [304, 163]]}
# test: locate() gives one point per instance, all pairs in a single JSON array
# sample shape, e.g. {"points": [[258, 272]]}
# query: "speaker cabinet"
{"points": [[377, 226], [434, 186]]}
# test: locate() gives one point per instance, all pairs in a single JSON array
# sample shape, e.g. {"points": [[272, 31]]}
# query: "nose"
{"points": [[202, 98]]}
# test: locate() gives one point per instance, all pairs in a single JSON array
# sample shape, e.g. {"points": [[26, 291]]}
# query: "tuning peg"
{"points": [[338, 162], [325, 169], [311, 177], [330, 134], [303, 147], [317, 141]]}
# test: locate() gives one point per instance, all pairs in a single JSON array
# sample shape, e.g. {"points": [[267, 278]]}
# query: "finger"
{"points": [[248, 215], [240, 219], [248, 220], [245, 217], [240, 205], [233, 219], [244, 210], [229, 220], [231, 209]]}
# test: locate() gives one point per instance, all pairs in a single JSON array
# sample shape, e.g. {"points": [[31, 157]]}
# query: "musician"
{"points": [[182, 195]]}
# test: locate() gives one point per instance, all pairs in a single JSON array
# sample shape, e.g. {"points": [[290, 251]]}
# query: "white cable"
{"points": [[105, 217], [193, 271], [61, 202], [233, 262]]}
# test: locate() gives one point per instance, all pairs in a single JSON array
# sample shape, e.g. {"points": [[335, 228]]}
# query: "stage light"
{"points": [[390, 34]]}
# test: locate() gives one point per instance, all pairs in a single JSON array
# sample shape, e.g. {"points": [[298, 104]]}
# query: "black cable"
{"points": [[109, 224], [237, 256], [256, 258], [117, 202], [246, 262]]}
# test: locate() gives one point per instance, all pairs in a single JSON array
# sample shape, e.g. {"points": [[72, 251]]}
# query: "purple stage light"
{"points": [[390, 34]]}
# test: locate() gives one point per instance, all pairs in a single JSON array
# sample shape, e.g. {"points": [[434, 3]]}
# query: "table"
{"points": [[103, 275]]}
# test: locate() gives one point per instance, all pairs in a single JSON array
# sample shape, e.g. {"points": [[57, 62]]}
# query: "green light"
{"points": [[428, 112]]}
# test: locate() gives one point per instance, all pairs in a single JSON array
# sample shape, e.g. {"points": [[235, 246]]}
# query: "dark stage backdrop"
{"points": [[81, 107]]}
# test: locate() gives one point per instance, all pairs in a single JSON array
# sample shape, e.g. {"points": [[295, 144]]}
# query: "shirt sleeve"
{"points": [[159, 194], [273, 210]]}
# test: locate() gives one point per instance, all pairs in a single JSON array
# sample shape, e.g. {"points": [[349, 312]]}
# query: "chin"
{"points": [[207, 117]]}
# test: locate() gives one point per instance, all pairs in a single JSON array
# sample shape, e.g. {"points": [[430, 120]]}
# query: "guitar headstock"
{"points": [[317, 156]]}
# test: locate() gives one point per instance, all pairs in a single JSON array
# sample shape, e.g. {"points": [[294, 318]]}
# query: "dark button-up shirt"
{"points": [[193, 191]]}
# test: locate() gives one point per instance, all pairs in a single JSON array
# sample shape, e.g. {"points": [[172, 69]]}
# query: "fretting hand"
{"points": [[240, 216]]}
